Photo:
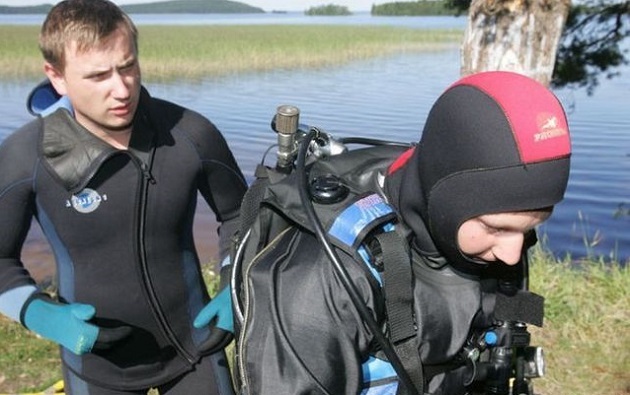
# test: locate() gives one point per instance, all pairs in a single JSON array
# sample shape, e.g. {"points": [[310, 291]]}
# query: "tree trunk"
{"points": [[514, 35]]}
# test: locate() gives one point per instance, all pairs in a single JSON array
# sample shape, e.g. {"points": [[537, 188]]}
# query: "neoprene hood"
{"points": [[493, 142]]}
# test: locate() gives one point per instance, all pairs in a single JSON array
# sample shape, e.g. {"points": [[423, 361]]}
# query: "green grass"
{"points": [[193, 52], [586, 336], [26, 361]]}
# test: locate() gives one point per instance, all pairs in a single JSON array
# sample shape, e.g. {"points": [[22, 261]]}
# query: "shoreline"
{"points": [[38, 258]]}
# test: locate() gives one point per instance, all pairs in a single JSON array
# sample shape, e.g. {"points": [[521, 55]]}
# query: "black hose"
{"points": [[368, 141], [364, 312]]}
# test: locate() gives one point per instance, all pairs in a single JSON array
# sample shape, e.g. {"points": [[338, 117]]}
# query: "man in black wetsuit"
{"points": [[461, 206], [113, 179]]}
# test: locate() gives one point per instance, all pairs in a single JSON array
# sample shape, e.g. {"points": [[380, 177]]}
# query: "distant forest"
{"points": [[328, 10], [159, 7], [398, 8], [412, 8]]}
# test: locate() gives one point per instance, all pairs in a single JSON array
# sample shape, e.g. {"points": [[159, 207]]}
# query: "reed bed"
{"points": [[194, 52], [19, 54]]}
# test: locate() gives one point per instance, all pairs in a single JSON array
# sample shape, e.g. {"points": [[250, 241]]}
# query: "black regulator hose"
{"points": [[341, 270], [369, 141]]}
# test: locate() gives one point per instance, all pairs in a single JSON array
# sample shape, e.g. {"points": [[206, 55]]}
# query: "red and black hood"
{"points": [[493, 142]]}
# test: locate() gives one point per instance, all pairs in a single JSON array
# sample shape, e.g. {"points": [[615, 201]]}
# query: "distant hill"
{"points": [[159, 7], [36, 9]]}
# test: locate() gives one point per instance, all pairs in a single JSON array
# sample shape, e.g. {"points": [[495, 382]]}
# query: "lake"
{"points": [[390, 98], [293, 18]]}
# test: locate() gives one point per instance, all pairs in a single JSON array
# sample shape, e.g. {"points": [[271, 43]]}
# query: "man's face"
{"points": [[498, 237], [102, 83]]}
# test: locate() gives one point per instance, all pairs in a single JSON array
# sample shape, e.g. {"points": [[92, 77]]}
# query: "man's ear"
{"points": [[56, 78]]}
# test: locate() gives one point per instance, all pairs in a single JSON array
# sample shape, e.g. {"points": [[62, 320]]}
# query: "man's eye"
{"points": [[491, 229], [97, 76], [128, 67], [495, 231]]}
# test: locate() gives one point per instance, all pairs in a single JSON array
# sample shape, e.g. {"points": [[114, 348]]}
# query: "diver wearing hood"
{"points": [[493, 143], [492, 162]]}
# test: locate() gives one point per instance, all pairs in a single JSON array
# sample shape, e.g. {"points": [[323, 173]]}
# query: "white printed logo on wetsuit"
{"points": [[86, 201]]}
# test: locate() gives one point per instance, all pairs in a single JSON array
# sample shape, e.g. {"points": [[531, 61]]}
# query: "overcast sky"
{"points": [[267, 5]]}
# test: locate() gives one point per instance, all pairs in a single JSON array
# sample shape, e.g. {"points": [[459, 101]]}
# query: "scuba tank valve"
{"points": [[285, 123]]}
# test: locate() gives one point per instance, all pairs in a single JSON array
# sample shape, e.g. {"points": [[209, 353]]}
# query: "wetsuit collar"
{"points": [[74, 154]]}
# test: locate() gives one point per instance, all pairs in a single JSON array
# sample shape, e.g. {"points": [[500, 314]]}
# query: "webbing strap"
{"points": [[398, 289], [251, 200]]}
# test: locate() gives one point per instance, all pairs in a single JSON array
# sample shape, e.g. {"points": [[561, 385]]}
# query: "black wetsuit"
{"points": [[120, 223]]}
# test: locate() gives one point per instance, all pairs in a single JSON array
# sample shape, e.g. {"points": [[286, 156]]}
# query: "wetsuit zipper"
{"points": [[146, 181]]}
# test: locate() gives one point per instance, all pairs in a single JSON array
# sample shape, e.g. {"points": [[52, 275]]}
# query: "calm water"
{"points": [[359, 18], [390, 98]]}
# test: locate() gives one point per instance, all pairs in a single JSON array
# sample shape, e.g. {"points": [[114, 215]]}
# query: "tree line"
{"points": [[413, 8]]}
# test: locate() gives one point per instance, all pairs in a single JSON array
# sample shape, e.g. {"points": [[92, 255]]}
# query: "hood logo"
{"points": [[86, 201], [548, 127]]}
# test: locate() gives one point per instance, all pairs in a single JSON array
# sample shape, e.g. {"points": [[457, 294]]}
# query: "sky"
{"points": [[267, 5]]}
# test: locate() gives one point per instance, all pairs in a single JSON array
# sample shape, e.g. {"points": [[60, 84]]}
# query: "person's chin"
{"points": [[120, 126]]}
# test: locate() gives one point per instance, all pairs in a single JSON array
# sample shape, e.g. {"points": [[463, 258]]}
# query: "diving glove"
{"points": [[67, 324], [219, 312]]}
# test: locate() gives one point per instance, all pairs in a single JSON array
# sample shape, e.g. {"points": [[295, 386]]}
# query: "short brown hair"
{"points": [[85, 21]]}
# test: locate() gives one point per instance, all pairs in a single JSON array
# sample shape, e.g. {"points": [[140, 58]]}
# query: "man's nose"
{"points": [[120, 88], [509, 248]]}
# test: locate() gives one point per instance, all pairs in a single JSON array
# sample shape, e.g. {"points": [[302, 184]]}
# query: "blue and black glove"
{"points": [[218, 314], [67, 325]]}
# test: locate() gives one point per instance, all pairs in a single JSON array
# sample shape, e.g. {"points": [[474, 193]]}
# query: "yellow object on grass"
{"points": [[55, 389]]}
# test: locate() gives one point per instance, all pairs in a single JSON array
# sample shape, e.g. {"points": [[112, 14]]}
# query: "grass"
{"points": [[193, 52], [586, 336], [26, 362]]}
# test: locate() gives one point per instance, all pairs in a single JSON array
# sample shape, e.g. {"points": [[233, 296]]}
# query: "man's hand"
{"points": [[67, 325], [218, 310]]}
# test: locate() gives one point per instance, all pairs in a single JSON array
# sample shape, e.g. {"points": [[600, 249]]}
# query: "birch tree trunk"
{"points": [[514, 35]]}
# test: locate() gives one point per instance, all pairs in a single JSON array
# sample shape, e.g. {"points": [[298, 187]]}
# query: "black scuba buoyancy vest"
{"points": [[291, 311]]}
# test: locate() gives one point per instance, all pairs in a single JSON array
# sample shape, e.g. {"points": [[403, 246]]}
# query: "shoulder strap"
{"points": [[251, 200], [398, 289]]}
